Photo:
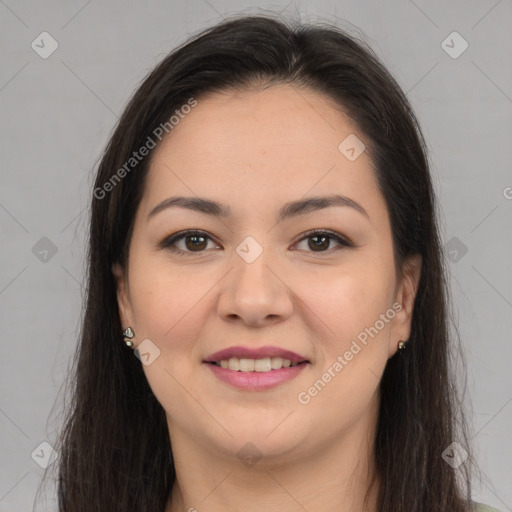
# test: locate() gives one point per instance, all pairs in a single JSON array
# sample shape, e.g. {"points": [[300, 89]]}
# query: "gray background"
{"points": [[57, 114]]}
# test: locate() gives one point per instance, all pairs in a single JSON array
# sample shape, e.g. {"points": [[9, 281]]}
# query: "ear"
{"points": [[123, 296], [407, 289]]}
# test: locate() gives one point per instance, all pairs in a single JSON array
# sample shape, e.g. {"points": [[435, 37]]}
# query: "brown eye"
{"points": [[194, 242], [319, 241]]}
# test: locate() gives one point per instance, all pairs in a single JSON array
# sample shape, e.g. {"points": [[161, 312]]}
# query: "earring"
{"points": [[401, 345], [128, 334]]}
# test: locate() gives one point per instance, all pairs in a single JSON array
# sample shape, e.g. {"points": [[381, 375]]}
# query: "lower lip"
{"points": [[256, 381]]}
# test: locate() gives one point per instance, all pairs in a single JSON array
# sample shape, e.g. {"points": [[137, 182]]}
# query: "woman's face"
{"points": [[255, 276]]}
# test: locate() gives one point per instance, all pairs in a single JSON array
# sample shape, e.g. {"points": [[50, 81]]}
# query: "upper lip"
{"points": [[254, 353]]}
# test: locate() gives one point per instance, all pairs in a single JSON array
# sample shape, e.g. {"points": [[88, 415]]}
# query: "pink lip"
{"points": [[254, 353], [256, 381]]}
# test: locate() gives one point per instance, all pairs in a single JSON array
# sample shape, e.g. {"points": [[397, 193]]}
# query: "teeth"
{"points": [[247, 365], [263, 365], [256, 365], [234, 364]]}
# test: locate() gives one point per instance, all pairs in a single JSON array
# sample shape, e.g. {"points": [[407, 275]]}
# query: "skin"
{"points": [[255, 151]]}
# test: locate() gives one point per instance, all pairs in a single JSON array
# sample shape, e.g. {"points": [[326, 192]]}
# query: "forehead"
{"points": [[278, 120], [282, 140]]}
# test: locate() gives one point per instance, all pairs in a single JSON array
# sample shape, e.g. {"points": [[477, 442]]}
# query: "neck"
{"points": [[336, 477]]}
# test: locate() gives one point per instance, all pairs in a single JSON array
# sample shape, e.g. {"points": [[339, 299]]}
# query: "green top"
{"points": [[480, 507]]}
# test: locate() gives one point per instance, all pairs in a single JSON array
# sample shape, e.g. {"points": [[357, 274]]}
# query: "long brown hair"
{"points": [[115, 452]]}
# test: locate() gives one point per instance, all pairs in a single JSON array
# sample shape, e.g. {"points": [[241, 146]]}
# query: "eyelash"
{"points": [[169, 241]]}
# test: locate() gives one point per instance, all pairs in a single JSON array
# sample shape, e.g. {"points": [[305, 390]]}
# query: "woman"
{"points": [[266, 322]]}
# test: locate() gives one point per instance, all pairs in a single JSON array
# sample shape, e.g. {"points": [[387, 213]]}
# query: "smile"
{"points": [[255, 369], [253, 380], [266, 364]]}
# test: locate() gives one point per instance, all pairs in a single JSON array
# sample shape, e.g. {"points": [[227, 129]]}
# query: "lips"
{"points": [[254, 353]]}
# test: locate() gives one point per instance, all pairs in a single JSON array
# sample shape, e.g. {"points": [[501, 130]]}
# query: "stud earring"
{"points": [[401, 345], [128, 334]]}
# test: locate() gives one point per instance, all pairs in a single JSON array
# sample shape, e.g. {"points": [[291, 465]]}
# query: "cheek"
{"points": [[346, 300], [170, 309], [169, 303], [351, 340]]}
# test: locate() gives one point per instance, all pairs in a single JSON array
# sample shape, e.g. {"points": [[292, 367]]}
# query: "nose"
{"points": [[256, 293]]}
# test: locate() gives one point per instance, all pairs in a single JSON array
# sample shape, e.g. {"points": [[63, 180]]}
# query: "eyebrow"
{"points": [[291, 209]]}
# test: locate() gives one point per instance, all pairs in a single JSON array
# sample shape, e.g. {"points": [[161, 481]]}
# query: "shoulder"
{"points": [[480, 507]]}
